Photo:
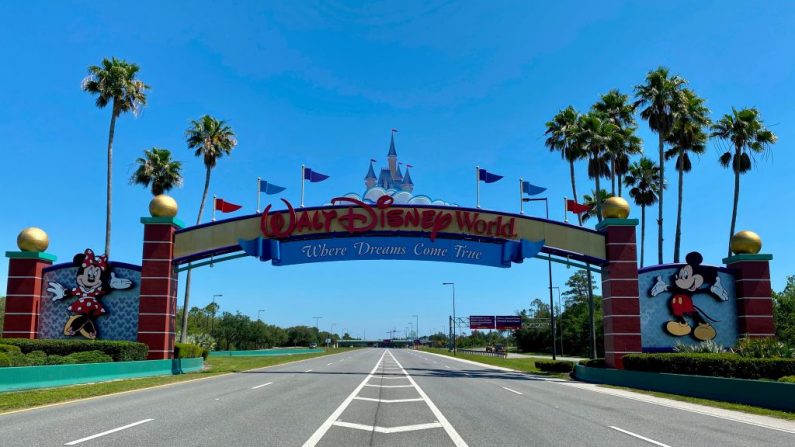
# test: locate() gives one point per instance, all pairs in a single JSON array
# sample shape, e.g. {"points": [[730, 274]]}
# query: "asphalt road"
{"points": [[381, 398]]}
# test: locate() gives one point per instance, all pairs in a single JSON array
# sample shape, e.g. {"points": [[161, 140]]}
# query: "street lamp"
{"points": [[560, 325], [453, 285], [417, 326], [549, 267], [258, 314], [215, 308]]}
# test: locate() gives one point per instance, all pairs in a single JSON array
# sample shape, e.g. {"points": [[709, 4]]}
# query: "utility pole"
{"points": [[452, 320]]}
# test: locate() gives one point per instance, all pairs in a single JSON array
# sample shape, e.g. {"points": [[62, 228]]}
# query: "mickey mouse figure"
{"points": [[690, 280], [94, 279]]}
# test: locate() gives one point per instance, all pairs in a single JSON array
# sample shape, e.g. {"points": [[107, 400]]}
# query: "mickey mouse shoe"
{"points": [[678, 329], [704, 332]]}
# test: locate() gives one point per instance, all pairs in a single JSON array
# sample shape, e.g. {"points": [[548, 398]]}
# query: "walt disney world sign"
{"points": [[350, 229]]}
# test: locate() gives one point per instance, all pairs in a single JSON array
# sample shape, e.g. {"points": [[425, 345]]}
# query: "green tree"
{"points": [[660, 97], [615, 107], [591, 201], [114, 83], [562, 132], [784, 312], [747, 136], [156, 168], [643, 178], [596, 134], [575, 318], [688, 136], [210, 139]]}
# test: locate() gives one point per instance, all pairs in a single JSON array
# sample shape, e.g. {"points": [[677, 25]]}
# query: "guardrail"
{"points": [[502, 354]]}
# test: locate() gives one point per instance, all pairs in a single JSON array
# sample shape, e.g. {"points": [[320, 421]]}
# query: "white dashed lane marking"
{"points": [[104, 433]]}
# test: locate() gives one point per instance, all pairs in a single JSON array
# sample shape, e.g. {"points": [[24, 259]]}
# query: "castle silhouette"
{"points": [[390, 177]]}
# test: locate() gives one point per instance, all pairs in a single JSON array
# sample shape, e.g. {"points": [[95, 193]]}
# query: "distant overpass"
{"points": [[397, 343]]}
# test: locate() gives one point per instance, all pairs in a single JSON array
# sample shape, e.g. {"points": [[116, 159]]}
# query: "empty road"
{"points": [[378, 397]]}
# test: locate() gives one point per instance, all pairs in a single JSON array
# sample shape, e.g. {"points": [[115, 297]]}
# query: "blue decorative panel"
{"points": [[657, 311], [120, 322]]}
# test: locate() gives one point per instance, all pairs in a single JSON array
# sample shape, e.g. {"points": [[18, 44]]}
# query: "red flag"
{"points": [[575, 207], [225, 207]]}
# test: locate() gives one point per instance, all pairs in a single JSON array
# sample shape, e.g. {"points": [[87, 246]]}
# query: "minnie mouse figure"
{"points": [[690, 280], [94, 279]]}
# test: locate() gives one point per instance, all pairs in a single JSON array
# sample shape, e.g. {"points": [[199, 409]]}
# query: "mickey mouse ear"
{"points": [[694, 258]]}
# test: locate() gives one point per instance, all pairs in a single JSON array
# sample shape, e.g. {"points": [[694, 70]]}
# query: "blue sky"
{"points": [[322, 83]]}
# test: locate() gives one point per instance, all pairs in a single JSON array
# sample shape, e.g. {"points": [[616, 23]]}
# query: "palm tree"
{"points": [[661, 97], [596, 134], [156, 168], [744, 130], [562, 134], [687, 137], [211, 139], [615, 106], [643, 177], [114, 83], [591, 201]]}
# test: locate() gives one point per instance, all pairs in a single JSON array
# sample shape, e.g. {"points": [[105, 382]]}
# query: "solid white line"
{"points": [[375, 428], [321, 431], [390, 386], [370, 399], [389, 378], [652, 441], [88, 438], [513, 391], [451, 432], [260, 386]]}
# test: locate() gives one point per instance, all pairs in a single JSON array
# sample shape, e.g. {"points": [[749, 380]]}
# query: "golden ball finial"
{"points": [[163, 206], [33, 239], [745, 242], [615, 208]]}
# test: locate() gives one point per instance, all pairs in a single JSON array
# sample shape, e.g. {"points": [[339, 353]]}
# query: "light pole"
{"points": [[411, 329], [258, 314], [215, 306], [317, 328], [417, 326], [560, 325], [453, 285], [549, 267]]}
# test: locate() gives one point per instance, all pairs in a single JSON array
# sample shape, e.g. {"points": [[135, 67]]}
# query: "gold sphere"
{"points": [[746, 242], [33, 239], [615, 208], [163, 206]]}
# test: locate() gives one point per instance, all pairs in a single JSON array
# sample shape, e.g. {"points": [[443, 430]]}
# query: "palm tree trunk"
{"points": [[642, 233], [735, 165], [620, 178], [678, 235], [612, 177], [109, 201], [574, 188], [598, 195], [660, 203], [186, 302]]}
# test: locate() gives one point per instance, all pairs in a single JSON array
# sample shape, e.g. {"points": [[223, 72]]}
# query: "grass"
{"points": [[714, 403], [526, 365], [18, 400]]}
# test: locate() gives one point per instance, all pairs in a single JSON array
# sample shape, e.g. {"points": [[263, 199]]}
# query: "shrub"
{"points": [[719, 365], [762, 348], [554, 365], [10, 349], [120, 351], [90, 357], [593, 363], [56, 359], [187, 351], [35, 358], [4, 360], [708, 346], [787, 379]]}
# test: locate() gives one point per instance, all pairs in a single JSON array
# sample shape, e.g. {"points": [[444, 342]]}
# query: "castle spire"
{"points": [[407, 184], [392, 157], [392, 151], [370, 178]]}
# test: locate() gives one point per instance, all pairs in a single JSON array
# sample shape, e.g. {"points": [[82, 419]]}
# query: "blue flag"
{"points": [[488, 177], [531, 190], [270, 188], [313, 176]]}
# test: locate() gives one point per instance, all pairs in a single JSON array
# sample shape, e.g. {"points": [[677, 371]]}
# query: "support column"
{"points": [[620, 305], [158, 302], [754, 302], [23, 294]]}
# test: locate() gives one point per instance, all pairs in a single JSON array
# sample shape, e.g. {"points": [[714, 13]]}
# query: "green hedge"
{"points": [[120, 351], [719, 365], [554, 365], [788, 379], [4, 360], [593, 363], [189, 351], [89, 357]]}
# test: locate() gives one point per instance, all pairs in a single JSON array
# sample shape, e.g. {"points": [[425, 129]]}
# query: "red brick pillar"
{"points": [[754, 302], [620, 303], [23, 294], [158, 302]]}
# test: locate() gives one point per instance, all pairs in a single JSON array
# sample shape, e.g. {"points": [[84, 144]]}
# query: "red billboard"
{"points": [[481, 321], [508, 322]]}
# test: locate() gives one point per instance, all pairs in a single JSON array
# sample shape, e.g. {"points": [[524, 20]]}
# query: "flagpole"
{"points": [[302, 185], [565, 210], [477, 186], [214, 198], [521, 203], [259, 186]]}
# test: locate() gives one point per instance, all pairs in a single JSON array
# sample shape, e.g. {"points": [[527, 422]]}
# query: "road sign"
{"points": [[508, 322], [481, 321]]}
